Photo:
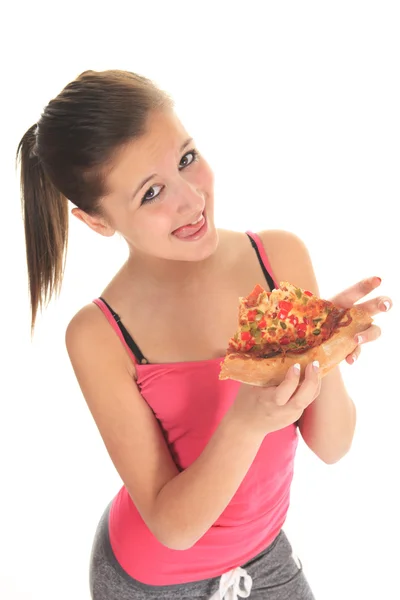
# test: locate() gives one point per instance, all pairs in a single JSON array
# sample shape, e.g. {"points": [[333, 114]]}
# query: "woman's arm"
{"points": [[178, 507], [327, 425]]}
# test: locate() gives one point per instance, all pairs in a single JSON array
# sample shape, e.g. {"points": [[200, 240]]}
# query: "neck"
{"points": [[163, 275]]}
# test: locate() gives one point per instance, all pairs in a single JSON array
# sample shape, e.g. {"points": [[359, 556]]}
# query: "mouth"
{"points": [[186, 231]]}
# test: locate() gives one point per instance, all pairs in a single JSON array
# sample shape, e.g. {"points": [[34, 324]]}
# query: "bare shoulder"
{"points": [[289, 258], [89, 332]]}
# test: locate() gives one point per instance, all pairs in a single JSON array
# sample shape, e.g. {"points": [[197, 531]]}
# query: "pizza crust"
{"points": [[267, 372]]}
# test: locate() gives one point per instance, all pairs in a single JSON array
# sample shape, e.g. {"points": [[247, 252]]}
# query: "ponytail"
{"points": [[68, 155], [45, 213]]}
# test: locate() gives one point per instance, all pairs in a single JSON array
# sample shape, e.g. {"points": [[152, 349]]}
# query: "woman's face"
{"points": [[162, 194]]}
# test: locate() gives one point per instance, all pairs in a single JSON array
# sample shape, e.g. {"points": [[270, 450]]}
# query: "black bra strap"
{"points": [[127, 337], [267, 276]]}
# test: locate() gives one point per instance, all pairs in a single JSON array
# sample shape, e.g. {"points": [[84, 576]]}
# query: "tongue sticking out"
{"points": [[188, 230]]}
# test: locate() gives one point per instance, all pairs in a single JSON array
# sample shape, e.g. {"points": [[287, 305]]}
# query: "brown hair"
{"points": [[65, 156]]}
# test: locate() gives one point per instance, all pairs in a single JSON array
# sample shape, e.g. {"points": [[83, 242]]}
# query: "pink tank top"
{"points": [[189, 401]]}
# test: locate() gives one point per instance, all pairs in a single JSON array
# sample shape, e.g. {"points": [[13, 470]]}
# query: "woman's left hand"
{"points": [[350, 296]]}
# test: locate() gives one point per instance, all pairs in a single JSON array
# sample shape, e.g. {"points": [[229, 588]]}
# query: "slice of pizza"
{"points": [[286, 326]]}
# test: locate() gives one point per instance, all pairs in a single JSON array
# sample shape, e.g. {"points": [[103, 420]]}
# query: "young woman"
{"points": [[206, 464]]}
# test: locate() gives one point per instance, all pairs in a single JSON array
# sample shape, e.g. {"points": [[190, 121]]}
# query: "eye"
{"points": [[195, 155], [147, 200]]}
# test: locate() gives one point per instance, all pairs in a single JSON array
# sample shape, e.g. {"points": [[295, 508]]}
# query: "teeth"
{"points": [[198, 220]]}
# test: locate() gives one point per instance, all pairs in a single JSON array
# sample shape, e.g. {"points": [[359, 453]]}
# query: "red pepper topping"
{"points": [[246, 335], [253, 297], [282, 315], [251, 315], [306, 320], [262, 324], [301, 334], [308, 294], [294, 320], [284, 340], [301, 327], [286, 306], [257, 290]]}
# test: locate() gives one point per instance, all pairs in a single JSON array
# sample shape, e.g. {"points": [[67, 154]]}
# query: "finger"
{"points": [[351, 358], [369, 335], [287, 388], [377, 305], [351, 295], [308, 390], [318, 390]]}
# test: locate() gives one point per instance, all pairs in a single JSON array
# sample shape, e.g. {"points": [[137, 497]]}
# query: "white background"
{"points": [[296, 107]]}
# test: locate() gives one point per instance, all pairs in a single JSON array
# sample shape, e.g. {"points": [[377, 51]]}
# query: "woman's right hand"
{"points": [[267, 409]]}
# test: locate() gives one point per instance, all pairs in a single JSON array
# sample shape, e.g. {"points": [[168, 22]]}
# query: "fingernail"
{"points": [[380, 280], [296, 368], [354, 357], [386, 304], [315, 365], [359, 339]]}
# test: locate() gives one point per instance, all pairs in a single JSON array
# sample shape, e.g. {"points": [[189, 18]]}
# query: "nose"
{"points": [[190, 201]]}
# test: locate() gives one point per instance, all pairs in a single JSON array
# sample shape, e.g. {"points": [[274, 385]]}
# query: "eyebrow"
{"points": [[154, 174]]}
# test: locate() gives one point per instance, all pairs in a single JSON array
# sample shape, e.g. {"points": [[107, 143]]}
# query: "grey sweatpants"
{"points": [[274, 574]]}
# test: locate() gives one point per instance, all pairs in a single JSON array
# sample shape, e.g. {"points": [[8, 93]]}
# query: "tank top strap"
{"points": [[263, 259], [123, 334]]}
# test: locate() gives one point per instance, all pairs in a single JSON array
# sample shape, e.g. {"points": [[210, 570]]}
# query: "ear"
{"points": [[98, 224]]}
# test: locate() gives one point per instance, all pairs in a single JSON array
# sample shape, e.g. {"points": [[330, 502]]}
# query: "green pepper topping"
{"points": [[316, 331], [283, 325]]}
